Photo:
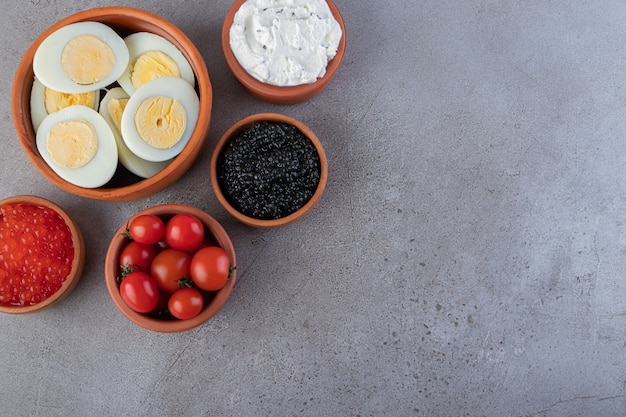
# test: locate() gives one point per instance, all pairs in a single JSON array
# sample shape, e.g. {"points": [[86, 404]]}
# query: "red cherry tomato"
{"points": [[168, 267], [184, 232], [210, 268], [185, 303], [160, 310], [146, 228], [140, 292], [137, 255]]}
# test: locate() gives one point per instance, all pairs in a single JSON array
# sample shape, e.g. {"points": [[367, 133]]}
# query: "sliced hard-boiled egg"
{"points": [[152, 56], [44, 100], [159, 118], [78, 144], [80, 57], [111, 108]]}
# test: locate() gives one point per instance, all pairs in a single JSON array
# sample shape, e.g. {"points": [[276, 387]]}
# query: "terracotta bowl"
{"points": [[242, 125], [77, 264], [213, 301], [124, 186], [276, 94]]}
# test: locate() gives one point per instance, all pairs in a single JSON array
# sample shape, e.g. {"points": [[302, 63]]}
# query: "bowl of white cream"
{"points": [[284, 51]]}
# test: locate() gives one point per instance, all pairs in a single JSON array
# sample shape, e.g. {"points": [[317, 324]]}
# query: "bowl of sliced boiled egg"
{"points": [[112, 103]]}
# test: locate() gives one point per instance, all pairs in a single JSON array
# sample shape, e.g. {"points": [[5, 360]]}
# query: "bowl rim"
{"points": [[284, 95], [239, 126], [77, 264], [111, 268], [144, 21]]}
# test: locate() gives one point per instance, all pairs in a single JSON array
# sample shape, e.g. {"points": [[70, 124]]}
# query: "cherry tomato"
{"points": [[168, 267], [160, 311], [146, 228], [209, 240], [185, 303], [137, 255], [140, 292], [210, 268], [184, 232]]}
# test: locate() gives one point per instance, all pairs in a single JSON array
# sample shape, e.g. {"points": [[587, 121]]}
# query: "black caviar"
{"points": [[269, 170]]}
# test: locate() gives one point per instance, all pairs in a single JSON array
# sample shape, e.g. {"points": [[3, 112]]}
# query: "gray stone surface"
{"points": [[467, 258]]}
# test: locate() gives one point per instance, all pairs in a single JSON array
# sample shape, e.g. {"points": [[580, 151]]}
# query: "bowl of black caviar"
{"points": [[268, 170]]}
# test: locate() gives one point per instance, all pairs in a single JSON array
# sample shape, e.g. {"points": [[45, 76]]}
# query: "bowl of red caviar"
{"points": [[42, 254], [268, 170]]}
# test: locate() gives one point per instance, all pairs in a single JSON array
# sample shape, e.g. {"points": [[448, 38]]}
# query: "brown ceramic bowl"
{"points": [[242, 125], [77, 263], [124, 186], [276, 94], [213, 301]]}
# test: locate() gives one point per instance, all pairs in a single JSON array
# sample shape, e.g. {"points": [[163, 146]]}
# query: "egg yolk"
{"points": [[72, 143], [116, 107], [55, 100], [160, 121], [151, 65], [86, 59]]}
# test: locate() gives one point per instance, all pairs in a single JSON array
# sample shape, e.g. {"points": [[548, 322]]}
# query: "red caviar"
{"points": [[36, 253]]}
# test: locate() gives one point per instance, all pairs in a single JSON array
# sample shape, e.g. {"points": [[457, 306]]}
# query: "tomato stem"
{"points": [[126, 232], [185, 282], [126, 270]]}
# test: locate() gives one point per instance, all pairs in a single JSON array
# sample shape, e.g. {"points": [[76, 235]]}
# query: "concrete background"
{"points": [[466, 259]]}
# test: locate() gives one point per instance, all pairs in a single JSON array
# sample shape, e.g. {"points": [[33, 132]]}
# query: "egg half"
{"points": [[152, 56], [44, 100], [78, 144], [81, 57], [159, 118], [112, 108]]}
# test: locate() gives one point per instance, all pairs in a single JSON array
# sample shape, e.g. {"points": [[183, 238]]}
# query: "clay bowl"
{"points": [[216, 160], [124, 186], [213, 301], [77, 264], [276, 94]]}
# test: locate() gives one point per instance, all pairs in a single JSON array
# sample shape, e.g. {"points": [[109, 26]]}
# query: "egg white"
{"points": [[101, 168], [172, 87], [129, 160], [142, 42], [38, 110], [47, 60]]}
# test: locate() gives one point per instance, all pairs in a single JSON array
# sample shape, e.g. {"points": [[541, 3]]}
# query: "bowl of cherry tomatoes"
{"points": [[170, 268]]}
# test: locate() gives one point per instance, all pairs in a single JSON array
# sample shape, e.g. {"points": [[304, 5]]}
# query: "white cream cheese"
{"points": [[285, 42]]}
